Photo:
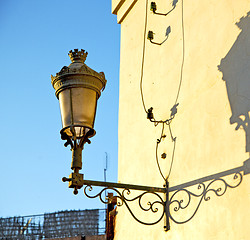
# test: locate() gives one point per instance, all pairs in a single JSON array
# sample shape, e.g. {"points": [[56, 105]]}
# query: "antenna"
{"points": [[105, 166], [105, 170]]}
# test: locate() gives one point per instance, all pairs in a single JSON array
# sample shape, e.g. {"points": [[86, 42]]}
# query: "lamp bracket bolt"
{"points": [[64, 179], [75, 181]]}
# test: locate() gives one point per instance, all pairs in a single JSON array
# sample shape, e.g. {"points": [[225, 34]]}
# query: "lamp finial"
{"points": [[78, 56]]}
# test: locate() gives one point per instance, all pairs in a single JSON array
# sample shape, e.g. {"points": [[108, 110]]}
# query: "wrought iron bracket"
{"points": [[149, 200]]}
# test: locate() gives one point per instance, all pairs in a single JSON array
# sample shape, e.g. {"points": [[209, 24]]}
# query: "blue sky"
{"points": [[35, 37]]}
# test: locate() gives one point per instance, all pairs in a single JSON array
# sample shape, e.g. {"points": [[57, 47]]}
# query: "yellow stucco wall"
{"points": [[214, 99]]}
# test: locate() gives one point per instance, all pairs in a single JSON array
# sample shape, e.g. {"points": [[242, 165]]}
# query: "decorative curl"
{"points": [[123, 199]]}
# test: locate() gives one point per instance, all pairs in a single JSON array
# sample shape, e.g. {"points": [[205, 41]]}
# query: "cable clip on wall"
{"points": [[151, 36], [153, 8]]}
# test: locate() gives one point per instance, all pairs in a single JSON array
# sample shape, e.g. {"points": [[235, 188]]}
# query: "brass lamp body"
{"points": [[78, 87]]}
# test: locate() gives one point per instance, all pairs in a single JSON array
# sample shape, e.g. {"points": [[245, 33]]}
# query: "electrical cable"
{"points": [[159, 43], [143, 55], [174, 110], [183, 51]]}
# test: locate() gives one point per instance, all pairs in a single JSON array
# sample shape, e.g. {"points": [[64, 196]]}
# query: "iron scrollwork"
{"points": [[156, 206], [169, 207], [176, 204]]}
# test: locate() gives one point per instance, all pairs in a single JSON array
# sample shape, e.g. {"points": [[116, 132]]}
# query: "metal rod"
{"points": [[126, 186]]}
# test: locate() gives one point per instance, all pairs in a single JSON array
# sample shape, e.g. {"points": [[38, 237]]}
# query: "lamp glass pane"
{"points": [[78, 107], [65, 107]]}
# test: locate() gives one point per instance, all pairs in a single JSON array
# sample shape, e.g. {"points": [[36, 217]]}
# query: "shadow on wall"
{"points": [[202, 190], [235, 67]]}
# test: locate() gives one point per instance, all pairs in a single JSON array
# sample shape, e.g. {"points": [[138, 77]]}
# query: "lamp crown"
{"points": [[78, 56]]}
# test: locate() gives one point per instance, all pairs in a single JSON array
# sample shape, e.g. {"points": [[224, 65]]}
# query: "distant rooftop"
{"points": [[60, 225]]}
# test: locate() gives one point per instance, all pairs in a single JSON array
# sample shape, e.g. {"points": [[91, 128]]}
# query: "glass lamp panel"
{"points": [[84, 106], [78, 107], [65, 107]]}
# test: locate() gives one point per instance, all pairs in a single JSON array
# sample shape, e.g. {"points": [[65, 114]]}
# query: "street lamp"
{"points": [[78, 88]]}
